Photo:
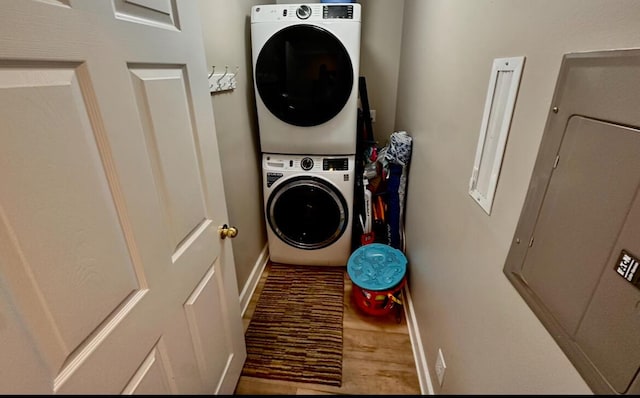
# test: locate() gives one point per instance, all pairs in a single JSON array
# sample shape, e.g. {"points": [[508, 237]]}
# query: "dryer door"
{"points": [[304, 75], [307, 212]]}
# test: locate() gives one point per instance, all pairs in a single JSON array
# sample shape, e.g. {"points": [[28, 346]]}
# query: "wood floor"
{"points": [[377, 355]]}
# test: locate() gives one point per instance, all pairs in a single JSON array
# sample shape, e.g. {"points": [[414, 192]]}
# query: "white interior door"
{"points": [[113, 278]]}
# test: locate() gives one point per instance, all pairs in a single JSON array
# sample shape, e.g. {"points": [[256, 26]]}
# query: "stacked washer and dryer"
{"points": [[305, 69]]}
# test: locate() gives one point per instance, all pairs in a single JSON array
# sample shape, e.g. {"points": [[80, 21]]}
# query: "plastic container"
{"points": [[378, 274]]}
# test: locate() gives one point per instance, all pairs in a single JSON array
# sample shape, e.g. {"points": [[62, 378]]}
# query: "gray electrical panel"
{"points": [[575, 253]]}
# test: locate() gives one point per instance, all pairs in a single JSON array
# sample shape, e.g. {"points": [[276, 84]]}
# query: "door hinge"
{"points": [[531, 242], [555, 164]]}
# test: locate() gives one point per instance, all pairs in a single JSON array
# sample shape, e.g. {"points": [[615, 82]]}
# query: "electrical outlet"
{"points": [[441, 366], [372, 112]]}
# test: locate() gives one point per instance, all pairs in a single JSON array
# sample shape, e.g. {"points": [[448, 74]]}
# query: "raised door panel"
{"points": [[59, 213], [167, 120], [154, 376], [158, 13], [209, 329], [25, 372]]}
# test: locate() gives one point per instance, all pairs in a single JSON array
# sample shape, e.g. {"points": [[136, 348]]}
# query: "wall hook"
{"points": [[233, 78], [213, 69], [226, 69]]}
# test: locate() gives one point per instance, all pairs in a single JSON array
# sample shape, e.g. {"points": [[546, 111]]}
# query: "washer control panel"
{"points": [[335, 164], [314, 163], [277, 166]]}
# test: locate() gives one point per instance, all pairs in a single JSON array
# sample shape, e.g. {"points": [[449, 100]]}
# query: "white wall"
{"points": [[227, 40], [492, 342], [380, 45]]}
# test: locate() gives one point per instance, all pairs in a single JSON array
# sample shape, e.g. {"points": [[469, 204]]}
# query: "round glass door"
{"points": [[304, 75], [307, 213]]}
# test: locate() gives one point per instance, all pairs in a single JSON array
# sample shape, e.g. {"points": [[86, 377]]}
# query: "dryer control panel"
{"points": [[278, 166], [342, 12], [306, 13]]}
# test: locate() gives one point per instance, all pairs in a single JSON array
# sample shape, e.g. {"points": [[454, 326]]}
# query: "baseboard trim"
{"points": [[426, 388], [254, 278]]}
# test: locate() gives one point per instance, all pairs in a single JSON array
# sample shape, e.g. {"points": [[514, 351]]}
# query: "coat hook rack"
{"points": [[222, 81]]}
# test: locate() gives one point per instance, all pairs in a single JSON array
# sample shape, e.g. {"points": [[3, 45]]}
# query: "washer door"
{"points": [[307, 212], [304, 75]]}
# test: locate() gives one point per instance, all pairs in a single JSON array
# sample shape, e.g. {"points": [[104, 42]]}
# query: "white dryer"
{"points": [[308, 202], [305, 69]]}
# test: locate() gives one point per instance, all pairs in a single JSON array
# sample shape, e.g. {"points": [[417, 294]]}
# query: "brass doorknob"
{"points": [[226, 231]]}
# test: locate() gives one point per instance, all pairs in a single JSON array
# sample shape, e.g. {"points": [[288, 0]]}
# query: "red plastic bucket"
{"points": [[377, 302], [378, 274]]}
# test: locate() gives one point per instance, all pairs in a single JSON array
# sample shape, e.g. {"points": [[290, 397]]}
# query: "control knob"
{"points": [[303, 12], [306, 164]]}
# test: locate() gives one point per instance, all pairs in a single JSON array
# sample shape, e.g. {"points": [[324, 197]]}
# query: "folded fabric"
{"points": [[399, 151]]}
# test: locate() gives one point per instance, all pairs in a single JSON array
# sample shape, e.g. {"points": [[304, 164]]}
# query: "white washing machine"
{"points": [[308, 202], [305, 69]]}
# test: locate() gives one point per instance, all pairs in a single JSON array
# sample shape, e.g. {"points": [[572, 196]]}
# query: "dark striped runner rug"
{"points": [[295, 332]]}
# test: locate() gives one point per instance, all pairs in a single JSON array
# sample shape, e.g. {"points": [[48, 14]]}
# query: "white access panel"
{"points": [[498, 110]]}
